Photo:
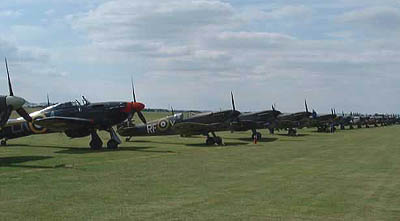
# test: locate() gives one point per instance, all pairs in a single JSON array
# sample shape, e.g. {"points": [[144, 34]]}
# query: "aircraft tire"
{"points": [[210, 141], [218, 140], [3, 143], [96, 144], [112, 145]]}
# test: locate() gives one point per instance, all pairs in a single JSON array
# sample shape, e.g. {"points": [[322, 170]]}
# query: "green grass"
{"points": [[351, 175]]}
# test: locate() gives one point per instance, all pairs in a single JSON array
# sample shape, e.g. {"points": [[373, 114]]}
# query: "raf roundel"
{"points": [[36, 128], [163, 125]]}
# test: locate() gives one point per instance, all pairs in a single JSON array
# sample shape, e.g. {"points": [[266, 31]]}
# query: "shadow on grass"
{"points": [[225, 144], [297, 135], [14, 161], [263, 140], [77, 150], [85, 150], [156, 142]]}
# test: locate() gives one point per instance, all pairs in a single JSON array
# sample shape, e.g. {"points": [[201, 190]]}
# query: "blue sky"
{"points": [[191, 54]]}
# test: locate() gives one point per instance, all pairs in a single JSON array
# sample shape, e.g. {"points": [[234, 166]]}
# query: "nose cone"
{"points": [[137, 106], [133, 106], [15, 102]]}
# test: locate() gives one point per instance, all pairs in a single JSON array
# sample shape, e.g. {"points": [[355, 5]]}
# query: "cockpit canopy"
{"points": [[67, 105], [178, 116]]}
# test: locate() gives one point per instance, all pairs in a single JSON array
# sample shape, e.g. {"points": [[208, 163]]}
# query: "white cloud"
{"points": [[50, 12], [192, 53], [208, 46], [290, 11], [378, 20], [10, 13]]}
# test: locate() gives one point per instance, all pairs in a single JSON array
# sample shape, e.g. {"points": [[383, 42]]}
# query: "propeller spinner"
{"points": [[136, 107]]}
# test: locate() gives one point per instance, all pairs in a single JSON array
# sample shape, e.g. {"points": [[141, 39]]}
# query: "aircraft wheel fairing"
{"points": [[95, 142]]}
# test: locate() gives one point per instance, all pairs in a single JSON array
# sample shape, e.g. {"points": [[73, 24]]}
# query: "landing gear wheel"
{"points": [[210, 141], [256, 136], [96, 144], [112, 145], [3, 143], [292, 132], [128, 139], [218, 140]]}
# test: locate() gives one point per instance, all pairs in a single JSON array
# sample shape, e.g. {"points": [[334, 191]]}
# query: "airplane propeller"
{"points": [[305, 104], [12, 102], [48, 100], [233, 102], [235, 114], [141, 116]]}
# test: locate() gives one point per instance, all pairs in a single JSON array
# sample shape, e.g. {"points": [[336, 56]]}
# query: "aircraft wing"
{"points": [[195, 128], [246, 124], [63, 123]]}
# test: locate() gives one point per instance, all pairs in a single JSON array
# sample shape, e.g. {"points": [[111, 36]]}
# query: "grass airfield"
{"points": [[351, 175]]}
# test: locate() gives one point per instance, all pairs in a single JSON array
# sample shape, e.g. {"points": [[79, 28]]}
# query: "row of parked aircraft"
{"points": [[81, 119]]}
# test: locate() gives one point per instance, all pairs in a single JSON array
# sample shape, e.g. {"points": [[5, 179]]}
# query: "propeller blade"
{"points": [[233, 102], [48, 100], [9, 81], [273, 108], [305, 104], [22, 112], [130, 117], [172, 111], [142, 117], [133, 90]]}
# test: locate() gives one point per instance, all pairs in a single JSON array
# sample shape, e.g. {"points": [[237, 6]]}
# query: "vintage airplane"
{"points": [[75, 119], [291, 121], [345, 120], [324, 122], [8, 103], [178, 124], [255, 120]]}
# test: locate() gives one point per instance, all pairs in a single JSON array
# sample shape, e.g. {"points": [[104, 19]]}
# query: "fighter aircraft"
{"points": [[8, 103], [178, 124], [291, 121], [323, 122], [75, 119], [345, 120], [255, 120]]}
